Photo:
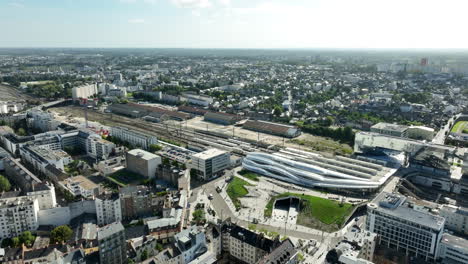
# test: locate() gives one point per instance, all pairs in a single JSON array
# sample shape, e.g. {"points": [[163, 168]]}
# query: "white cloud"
{"points": [[196, 13], [16, 4], [225, 2], [128, 1], [136, 21], [150, 1], [192, 3]]}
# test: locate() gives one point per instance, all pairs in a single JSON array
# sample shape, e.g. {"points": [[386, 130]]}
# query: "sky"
{"points": [[270, 24]]}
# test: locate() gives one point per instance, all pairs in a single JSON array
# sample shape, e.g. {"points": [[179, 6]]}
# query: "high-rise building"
{"points": [[143, 162]]}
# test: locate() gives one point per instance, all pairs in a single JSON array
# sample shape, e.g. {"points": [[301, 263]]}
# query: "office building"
{"points": [[38, 158], [405, 225], [390, 129], [108, 209], [456, 218], [143, 162], [210, 162], [453, 249], [133, 137], [112, 244]]}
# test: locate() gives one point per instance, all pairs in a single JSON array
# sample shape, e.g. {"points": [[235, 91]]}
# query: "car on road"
{"points": [[210, 196], [218, 189]]}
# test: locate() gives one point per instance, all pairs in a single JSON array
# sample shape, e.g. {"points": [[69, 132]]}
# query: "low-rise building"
{"points": [[98, 148], [18, 174], [210, 162], [221, 118], [272, 128], [143, 162], [81, 186]]}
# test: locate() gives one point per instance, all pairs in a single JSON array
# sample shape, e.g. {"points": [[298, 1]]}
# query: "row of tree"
{"points": [[344, 135]]}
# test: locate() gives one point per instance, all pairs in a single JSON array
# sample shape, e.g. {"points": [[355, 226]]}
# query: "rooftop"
{"points": [[455, 241], [142, 154], [209, 153], [389, 126], [397, 206], [109, 230]]}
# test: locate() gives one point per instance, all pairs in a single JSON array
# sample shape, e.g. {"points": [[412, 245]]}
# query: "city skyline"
{"points": [[233, 24]]}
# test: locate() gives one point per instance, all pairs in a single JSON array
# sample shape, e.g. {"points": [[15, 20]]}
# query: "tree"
{"points": [[154, 148], [61, 234], [15, 242], [21, 132], [4, 184], [27, 238], [277, 111], [198, 215], [144, 255]]}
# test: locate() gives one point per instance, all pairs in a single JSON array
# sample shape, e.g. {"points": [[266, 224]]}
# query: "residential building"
{"points": [[136, 247], [45, 194], [18, 214], [143, 162], [133, 137], [42, 121], [136, 202], [285, 253], [84, 91], [39, 157], [191, 243], [98, 148], [18, 174], [81, 186], [108, 209], [112, 244], [210, 162], [174, 211], [245, 245], [453, 249], [405, 225]]}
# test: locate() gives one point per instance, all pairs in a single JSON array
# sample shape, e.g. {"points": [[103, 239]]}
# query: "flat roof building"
{"points": [[210, 162], [405, 225]]}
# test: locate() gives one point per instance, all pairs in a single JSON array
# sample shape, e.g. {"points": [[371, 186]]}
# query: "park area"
{"points": [[124, 177], [460, 127], [316, 212], [236, 189]]}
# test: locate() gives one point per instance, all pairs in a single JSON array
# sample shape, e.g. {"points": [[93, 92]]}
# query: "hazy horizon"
{"points": [[234, 24]]}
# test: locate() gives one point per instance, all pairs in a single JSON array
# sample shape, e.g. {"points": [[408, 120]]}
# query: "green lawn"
{"points": [[236, 189], [324, 210], [249, 175], [125, 177], [459, 127]]}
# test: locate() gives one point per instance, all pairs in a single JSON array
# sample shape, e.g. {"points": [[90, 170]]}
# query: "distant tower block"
{"points": [[423, 61]]}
